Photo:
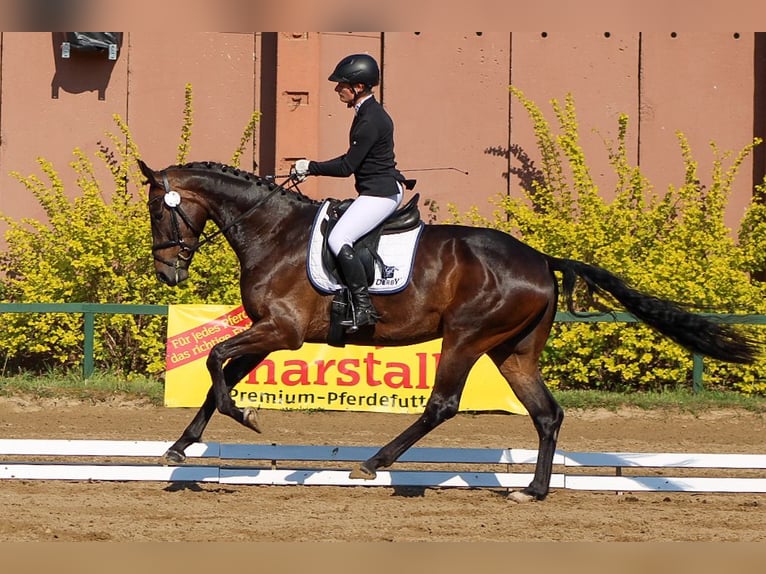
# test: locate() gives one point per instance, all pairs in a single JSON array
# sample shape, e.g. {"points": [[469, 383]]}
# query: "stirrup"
{"points": [[367, 316]]}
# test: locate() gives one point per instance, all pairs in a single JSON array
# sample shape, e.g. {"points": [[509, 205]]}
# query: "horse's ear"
{"points": [[148, 174]]}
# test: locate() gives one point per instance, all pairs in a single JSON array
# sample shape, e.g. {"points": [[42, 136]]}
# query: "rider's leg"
{"points": [[356, 281], [362, 216]]}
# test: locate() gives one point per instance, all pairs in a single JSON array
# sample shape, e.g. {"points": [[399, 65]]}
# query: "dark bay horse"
{"points": [[481, 290]]}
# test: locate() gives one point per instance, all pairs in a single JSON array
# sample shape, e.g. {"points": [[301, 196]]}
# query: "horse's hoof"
{"points": [[250, 417], [174, 457], [363, 473], [520, 497]]}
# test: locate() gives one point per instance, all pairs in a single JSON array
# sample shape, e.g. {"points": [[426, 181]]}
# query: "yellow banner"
{"points": [[317, 376]]}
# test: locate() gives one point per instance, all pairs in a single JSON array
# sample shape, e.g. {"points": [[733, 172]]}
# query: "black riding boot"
{"points": [[356, 281]]}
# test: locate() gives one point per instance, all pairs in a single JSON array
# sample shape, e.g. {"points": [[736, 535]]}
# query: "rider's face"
{"points": [[346, 93]]}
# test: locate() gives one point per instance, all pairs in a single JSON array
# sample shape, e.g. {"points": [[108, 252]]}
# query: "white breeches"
{"points": [[364, 214]]}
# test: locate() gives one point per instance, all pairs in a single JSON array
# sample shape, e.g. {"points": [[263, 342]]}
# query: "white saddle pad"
{"points": [[397, 250]]}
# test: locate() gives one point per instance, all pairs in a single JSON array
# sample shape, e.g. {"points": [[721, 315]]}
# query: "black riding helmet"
{"points": [[357, 69]]}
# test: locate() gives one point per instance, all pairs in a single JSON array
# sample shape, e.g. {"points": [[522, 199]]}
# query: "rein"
{"points": [[173, 203]]}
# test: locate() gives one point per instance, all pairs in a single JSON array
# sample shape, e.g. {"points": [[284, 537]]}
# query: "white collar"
{"points": [[360, 102]]}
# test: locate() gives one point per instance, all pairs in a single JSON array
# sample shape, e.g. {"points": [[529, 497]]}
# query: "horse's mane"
{"points": [[228, 171]]}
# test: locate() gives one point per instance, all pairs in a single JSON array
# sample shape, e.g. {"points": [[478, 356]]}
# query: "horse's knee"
{"points": [[214, 360]]}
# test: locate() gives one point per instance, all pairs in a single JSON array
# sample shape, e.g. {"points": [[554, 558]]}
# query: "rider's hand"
{"points": [[301, 169]]}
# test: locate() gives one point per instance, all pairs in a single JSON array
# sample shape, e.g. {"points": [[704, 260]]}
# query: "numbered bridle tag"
{"points": [[172, 199]]}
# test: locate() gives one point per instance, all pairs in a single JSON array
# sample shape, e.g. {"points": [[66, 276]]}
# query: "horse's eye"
{"points": [[158, 216]]}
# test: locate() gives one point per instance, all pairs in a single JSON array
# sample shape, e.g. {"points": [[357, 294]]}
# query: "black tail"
{"points": [[694, 332]]}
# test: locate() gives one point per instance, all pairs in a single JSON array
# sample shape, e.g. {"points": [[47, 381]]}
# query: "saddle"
{"points": [[403, 219], [406, 218]]}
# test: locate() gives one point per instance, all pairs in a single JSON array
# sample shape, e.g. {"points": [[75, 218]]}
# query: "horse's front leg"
{"points": [[259, 340], [233, 372]]}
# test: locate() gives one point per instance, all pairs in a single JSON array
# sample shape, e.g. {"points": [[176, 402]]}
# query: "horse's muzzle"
{"points": [[172, 276]]}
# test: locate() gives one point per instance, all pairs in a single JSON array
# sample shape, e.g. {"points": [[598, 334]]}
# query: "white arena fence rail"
{"points": [[284, 465]]}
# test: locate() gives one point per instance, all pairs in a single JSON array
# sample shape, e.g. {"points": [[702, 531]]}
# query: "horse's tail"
{"points": [[695, 332]]}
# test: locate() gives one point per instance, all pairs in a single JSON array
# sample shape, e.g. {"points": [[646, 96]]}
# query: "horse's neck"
{"points": [[263, 224]]}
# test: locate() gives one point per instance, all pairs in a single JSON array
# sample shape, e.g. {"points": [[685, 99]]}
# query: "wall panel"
{"points": [[701, 84], [448, 94], [599, 70], [219, 66], [49, 107]]}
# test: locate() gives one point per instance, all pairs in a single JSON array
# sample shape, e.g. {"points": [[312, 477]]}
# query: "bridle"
{"points": [[172, 202]]}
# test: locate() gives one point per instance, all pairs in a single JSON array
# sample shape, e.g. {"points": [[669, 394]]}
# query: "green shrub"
{"points": [[673, 245], [96, 248]]}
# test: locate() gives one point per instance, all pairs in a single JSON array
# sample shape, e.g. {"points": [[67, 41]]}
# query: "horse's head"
{"points": [[177, 219]]}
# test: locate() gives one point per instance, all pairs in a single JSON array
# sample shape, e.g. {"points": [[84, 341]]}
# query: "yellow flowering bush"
{"points": [[674, 245], [96, 248]]}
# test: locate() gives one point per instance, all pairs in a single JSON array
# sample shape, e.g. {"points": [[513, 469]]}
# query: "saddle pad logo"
{"points": [[389, 277]]}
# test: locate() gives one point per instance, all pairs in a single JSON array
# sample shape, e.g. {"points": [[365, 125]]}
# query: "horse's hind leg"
{"points": [[442, 405], [523, 375], [233, 372]]}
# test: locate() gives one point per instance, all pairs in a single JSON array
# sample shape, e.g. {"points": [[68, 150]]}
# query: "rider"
{"points": [[370, 158]]}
